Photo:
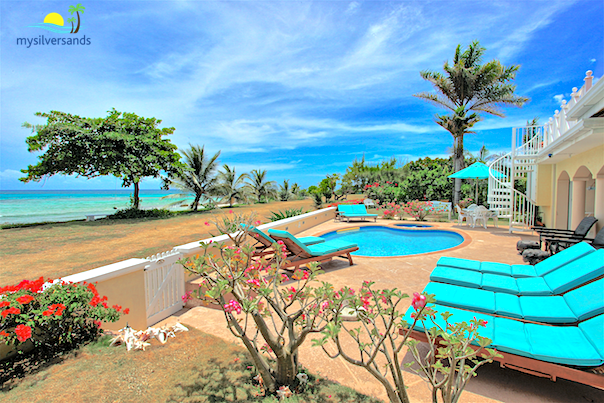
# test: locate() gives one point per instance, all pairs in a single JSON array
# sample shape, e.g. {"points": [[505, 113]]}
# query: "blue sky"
{"points": [[300, 89]]}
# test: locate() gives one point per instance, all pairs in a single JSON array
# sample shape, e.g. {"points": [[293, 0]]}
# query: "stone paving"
{"points": [[411, 274]]}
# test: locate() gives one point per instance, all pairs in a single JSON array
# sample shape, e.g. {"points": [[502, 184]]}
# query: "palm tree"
{"points": [[76, 9], [199, 175], [260, 187], [72, 20], [231, 186], [284, 191], [468, 87]]}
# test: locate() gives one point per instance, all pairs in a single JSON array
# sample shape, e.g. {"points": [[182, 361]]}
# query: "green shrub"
{"points": [[132, 212], [280, 215]]}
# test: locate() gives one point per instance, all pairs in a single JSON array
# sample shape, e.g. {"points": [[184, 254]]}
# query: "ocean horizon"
{"points": [[32, 206]]}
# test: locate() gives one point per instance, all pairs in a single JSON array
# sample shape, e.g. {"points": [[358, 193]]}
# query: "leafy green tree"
{"points": [[199, 174], [260, 187], [427, 179], [468, 87], [231, 186], [76, 9], [125, 145]]}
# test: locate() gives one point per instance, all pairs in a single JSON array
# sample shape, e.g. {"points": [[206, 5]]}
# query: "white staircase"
{"points": [[520, 163]]}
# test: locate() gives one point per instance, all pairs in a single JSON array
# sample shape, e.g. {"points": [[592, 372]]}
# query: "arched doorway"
{"points": [[582, 200], [562, 201]]}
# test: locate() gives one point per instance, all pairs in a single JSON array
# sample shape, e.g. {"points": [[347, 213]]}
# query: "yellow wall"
{"points": [[128, 291], [592, 160]]}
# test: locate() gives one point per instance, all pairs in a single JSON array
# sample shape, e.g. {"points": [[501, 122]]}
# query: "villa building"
{"points": [[562, 162]]}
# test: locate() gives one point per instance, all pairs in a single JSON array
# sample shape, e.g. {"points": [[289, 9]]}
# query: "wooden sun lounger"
{"points": [[535, 367], [298, 260]]}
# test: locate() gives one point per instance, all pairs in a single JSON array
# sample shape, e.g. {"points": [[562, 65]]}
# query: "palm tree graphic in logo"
{"points": [[54, 21], [76, 9], [72, 20]]}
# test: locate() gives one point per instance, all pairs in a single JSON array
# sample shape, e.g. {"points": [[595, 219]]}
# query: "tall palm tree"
{"points": [[76, 9], [72, 20], [231, 186], [199, 175], [261, 188], [467, 87]]}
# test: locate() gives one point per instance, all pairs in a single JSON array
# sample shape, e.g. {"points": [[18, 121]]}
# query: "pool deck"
{"points": [[411, 274]]}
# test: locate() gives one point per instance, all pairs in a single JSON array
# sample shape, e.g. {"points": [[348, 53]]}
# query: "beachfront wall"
{"points": [[129, 283]]}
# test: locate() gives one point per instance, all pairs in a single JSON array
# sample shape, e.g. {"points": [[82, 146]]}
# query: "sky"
{"points": [[300, 89]]}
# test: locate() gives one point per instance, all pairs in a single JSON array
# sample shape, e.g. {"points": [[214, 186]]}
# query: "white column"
{"points": [[599, 204], [578, 207]]}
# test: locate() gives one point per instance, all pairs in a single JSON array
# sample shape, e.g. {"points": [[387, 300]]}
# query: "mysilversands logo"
{"points": [[54, 22]]}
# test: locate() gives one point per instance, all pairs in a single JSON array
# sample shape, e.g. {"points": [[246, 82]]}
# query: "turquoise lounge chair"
{"points": [[322, 252], [558, 281], [534, 348], [266, 241], [348, 211], [577, 305], [519, 270]]}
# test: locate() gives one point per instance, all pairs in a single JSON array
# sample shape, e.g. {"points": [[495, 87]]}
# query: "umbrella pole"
{"points": [[476, 192]]}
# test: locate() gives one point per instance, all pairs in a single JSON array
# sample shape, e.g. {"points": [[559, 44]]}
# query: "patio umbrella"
{"points": [[477, 170]]}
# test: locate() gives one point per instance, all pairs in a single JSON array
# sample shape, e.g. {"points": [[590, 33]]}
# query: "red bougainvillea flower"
{"points": [[126, 311], [4, 303], [23, 332], [10, 310], [117, 307], [25, 299], [3, 333]]}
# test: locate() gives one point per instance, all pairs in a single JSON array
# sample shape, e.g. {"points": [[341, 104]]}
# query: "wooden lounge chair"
{"points": [[597, 242], [348, 211], [561, 279], [265, 242], [300, 254], [556, 243], [515, 346]]}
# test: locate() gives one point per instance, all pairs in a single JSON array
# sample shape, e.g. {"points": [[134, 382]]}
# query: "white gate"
{"points": [[164, 286]]}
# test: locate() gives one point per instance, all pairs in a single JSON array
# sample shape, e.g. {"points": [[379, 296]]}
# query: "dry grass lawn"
{"points": [[56, 250]]}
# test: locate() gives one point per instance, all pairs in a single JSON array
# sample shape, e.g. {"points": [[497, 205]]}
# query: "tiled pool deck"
{"points": [[411, 274]]}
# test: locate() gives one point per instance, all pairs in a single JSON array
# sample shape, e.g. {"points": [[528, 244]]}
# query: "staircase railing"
{"points": [[503, 198]]}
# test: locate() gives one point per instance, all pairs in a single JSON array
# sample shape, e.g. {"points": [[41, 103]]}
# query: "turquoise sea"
{"points": [[29, 206]]}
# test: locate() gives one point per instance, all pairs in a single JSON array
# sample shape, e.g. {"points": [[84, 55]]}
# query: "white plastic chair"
{"points": [[461, 215], [368, 203], [480, 213]]}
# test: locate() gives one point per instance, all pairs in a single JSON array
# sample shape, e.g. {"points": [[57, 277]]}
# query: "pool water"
{"points": [[385, 241], [413, 225]]}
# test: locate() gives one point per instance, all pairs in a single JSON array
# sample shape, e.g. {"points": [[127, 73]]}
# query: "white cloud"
{"points": [[559, 98], [10, 174]]}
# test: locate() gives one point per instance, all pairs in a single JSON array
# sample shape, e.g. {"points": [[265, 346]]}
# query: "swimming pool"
{"points": [[385, 241]]}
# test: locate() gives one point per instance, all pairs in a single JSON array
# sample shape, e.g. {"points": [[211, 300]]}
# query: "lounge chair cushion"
{"points": [[577, 272], [328, 247], [323, 248], [549, 309], [507, 305], [354, 210], [533, 286], [581, 345], [311, 240], [459, 263], [451, 275], [564, 257], [523, 270], [462, 297], [592, 329], [494, 282], [562, 345], [587, 300], [496, 268]]}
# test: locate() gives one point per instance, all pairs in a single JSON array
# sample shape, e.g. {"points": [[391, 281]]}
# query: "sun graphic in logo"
{"points": [[54, 22], [54, 18]]}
